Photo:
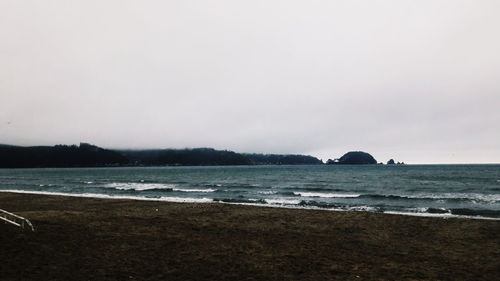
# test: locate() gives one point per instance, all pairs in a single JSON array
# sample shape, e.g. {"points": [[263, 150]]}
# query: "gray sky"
{"points": [[418, 81]]}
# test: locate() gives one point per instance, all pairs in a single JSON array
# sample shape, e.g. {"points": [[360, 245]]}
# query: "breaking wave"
{"points": [[326, 195], [154, 187], [447, 196], [282, 201], [139, 186], [241, 200]]}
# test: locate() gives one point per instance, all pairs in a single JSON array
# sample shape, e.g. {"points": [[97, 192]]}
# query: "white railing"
{"points": [[16, 220]]}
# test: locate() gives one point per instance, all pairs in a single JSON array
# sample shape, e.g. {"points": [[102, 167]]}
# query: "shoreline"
{"points": [[211, 201], [98, 239]]}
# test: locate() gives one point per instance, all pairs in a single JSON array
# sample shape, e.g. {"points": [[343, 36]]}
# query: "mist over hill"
{"points": [[87, 155], [210, 156]]}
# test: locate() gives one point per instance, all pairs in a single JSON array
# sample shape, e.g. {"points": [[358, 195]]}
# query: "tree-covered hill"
{"points": [[184, 157], [282, 159], [86, 155]]}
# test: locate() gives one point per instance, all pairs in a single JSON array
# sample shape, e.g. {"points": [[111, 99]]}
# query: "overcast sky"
{"points": [[418, 81]]}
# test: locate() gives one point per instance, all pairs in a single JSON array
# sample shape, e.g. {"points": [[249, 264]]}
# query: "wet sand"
{"points": [[102, 239]]}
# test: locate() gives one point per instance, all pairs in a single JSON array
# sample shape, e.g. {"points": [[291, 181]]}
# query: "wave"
{"points": [[449, 213], [326, 195], [428, 212], [437, 210], [320, 189], [319, 204], [194, 190], [476, 212], [241, 200], [491, 198], [268, 192], [337, 207], [243, 185], [452, 212], [282, 201], [381, 196], [87, 182], [154, 187], [213, 185], [139, 186], [363, 208], [107, 196], [287, 193], [274, 192], [49, 185]]}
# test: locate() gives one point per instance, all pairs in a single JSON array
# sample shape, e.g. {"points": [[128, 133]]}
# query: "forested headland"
{"points": [[87, 155]]}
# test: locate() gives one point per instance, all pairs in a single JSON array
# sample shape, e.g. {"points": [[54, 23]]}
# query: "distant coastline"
{"points": [[87, 155]]}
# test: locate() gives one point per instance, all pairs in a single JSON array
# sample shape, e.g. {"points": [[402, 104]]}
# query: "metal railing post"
{"points": [[16, 220]]}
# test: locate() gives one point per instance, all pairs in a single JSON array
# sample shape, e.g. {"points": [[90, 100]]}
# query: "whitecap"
{"points": [[186, 200], [138, 186], [469, 196], [326, 195], [194, 190], [417, 214], [363, 208], [282, 201], [268, 192], [106, 196]]}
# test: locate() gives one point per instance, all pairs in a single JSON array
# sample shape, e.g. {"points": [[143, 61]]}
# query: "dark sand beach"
{"points": [[98, 239]]}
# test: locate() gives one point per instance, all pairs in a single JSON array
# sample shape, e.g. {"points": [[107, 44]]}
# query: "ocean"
{"points": [[471, 191]]}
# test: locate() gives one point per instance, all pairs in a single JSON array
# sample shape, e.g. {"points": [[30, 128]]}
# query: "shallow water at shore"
{"points": [[427, 190]]}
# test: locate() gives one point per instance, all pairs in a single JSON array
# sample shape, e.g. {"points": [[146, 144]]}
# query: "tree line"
{"points": [[87, 155]]}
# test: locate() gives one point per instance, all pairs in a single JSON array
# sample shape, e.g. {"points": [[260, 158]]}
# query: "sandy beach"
{"points": [[98, 239]]}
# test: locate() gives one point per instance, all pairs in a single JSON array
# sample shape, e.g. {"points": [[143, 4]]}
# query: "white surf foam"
{"points": [[469, 196], [209, 200], [138, 186], [282, 201], [150, 186], [444, 216], [326, 195], [105, 196], [186, 200], [194, 190], [267, 192], [362, 208]]}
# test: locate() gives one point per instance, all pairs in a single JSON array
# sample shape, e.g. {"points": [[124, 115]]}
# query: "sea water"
{"points": [[471, 191]]}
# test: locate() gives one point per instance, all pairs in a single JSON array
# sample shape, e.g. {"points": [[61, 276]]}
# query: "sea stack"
{"points": [[356, 158]]}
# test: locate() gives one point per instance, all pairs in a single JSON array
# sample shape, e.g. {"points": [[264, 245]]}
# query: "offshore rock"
{"points": [[356, 158]]}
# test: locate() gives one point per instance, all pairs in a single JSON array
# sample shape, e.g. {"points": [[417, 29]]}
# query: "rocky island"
{"points": [[353, 158]]}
